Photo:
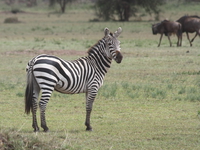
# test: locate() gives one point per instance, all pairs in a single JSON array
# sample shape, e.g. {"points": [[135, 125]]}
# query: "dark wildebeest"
{"points": [[168, 27], [190, 24]]}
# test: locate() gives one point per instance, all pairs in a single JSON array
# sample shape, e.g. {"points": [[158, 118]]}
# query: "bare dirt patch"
{"points": [[49, 52]]}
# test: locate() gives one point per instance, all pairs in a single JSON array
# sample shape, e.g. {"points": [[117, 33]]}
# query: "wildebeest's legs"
{"points": [[160, 39], [178, 42], [188, 38], [179, 39], [169, 40], [195, 37]]}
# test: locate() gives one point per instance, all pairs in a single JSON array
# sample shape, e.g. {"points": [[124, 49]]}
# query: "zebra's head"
{"points": [[113, 45]]}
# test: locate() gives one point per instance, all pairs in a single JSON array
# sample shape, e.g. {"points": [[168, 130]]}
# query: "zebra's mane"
{"points": [[92, 48]]}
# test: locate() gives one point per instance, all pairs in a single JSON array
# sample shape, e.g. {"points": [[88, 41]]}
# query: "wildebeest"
{"points": [[190, 24], [168, 27]]}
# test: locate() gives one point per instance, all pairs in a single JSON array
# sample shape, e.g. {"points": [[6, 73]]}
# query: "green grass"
{"points": [[149, 101]]}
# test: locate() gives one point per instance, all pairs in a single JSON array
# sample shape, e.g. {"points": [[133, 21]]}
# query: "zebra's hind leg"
{"points": [[34, 108], [43, 103]]}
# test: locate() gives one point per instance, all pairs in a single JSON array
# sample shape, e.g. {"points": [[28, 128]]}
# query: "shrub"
{"points": [[11, 20]]}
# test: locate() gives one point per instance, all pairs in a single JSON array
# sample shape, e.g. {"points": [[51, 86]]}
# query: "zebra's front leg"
{"points": [[90, 96], [87, 120]]}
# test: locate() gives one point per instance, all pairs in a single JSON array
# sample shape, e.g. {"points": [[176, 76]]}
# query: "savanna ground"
{"points": [[149, 101]]}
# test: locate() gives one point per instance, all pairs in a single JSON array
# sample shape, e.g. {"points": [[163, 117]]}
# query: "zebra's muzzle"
{"points": [[119, 57]]}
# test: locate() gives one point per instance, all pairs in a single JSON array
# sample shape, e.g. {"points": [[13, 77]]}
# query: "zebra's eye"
{"points": [[109, 44]]}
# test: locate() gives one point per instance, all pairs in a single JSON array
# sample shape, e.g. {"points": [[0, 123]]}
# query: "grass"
{"points": [[149, 101]]}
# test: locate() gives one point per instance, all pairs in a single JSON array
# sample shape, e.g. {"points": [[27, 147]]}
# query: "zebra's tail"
{"points": [[29, 89]]}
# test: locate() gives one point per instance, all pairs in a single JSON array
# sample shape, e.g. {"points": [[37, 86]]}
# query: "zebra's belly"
{"points": [[71, 90]]}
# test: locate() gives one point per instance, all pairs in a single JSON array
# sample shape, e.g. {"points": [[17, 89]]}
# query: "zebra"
{"points": [[47, 73]]}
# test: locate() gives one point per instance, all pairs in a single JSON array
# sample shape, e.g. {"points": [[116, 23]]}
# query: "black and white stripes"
{"points": [[47, 73]]}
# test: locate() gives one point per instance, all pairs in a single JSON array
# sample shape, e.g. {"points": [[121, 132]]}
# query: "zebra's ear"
{"points": [[118, 32], [106, 31]]}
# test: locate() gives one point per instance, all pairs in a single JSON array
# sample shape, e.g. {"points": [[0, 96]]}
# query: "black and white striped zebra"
{"points": [[84, 75]]}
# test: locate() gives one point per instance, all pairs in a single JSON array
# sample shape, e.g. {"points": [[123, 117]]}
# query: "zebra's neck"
{"points": [[98, 57]]}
